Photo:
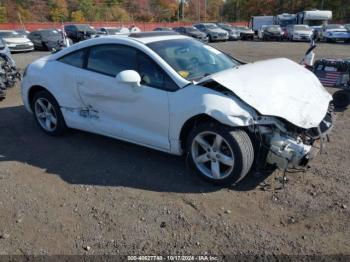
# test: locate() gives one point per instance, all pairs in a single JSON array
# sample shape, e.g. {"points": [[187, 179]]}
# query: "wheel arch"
{"points": [[34, 90], [199, 119]]}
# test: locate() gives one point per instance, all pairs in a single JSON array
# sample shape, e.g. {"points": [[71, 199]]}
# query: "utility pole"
{"points": [[322, 5], [199, 11], [182, 9], [205, 10]]}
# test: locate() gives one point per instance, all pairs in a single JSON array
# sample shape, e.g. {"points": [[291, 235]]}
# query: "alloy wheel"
{"points": [[212, 155], [45, 114]]}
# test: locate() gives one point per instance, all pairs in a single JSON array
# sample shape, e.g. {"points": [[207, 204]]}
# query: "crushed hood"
{"points": [[278, 87]]}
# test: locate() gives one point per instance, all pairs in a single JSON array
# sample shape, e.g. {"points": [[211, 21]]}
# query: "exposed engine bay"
{"points": [[289, 147]]}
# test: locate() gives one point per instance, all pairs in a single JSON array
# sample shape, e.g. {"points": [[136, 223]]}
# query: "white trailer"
{"points": [[314, 17], [256, 22]]}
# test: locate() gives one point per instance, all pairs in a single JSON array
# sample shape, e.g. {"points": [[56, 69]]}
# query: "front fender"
{"points": [[197, 100]]}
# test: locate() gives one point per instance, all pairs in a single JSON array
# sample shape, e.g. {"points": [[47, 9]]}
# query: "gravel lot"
{"points": [[62, 195]]}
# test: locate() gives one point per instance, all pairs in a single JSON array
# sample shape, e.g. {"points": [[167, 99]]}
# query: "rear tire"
{"points": [[219, 154], [48, 114]]}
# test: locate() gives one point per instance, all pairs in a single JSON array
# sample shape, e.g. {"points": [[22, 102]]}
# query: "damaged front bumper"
{"points": [[293, 149]]}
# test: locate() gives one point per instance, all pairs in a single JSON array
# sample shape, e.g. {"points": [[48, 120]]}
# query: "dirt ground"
{"points": [[63, 195]]}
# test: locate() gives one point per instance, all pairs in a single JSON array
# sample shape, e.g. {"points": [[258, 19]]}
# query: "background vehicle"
{"points": [[299, 32], [4, 48], [79, 32], [192, 32], [270, 32], [314, 17], [16, 42], [334, 33], [163, 29], [245, 33], [214, 32], [233, 33], [178, 95], [256, 22], [47, 39], [23, 32], [113, 30]]}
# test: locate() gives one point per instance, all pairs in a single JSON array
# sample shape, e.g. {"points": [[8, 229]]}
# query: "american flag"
{"points": [[330, 79]]}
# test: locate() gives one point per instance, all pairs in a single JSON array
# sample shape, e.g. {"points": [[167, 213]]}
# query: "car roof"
{"points": [[156, 37]]}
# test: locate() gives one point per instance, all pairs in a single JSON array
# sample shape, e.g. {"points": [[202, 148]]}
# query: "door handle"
{"points": [[79, 83]]}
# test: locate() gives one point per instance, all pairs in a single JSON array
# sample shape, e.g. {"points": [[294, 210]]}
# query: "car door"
{"points": [[136, 114]]}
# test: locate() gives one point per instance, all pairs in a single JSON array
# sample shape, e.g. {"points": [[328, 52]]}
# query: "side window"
{"points": [[74, 59], [152, 75], [111, 59]]}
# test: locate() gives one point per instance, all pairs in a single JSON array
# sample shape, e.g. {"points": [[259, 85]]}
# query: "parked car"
{"points": [[79, 32], [245, 33], [233, 33], [214, 32], [4, 49], [48, 39], [299, 32], [193, 32], [178, 95], [163, 29], [23, 32], [16, 42], [335, 33], [270, 32], [113, 30]]}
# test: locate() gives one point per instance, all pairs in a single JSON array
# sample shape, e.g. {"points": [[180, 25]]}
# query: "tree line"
{"points": [[159, 10]]}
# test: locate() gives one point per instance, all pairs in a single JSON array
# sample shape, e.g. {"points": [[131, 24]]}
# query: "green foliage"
{"points": [[3, 16], [160, 10]]}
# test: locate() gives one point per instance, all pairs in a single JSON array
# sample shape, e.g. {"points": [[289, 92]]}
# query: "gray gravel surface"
{"points": [[87, 194]]}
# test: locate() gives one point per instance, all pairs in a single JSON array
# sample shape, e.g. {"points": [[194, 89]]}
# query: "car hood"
{"points": [[200, 34], [280, 88], [218, 30], [17, 40]]}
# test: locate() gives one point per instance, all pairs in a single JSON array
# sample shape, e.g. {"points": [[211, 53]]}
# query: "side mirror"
{"points": [[129, 77]]}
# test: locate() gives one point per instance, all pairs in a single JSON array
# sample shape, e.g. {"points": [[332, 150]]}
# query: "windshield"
{"points": [[335, 27], [10, 35], [226, 27], [273, 27], [287, 22], [192, 59], [211, 26], [191, 29], [112, 31], [50, 33], [86, 28], [302, 27]]}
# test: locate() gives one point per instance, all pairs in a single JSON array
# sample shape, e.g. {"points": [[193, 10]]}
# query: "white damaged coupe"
{"points": [[178, 95]]}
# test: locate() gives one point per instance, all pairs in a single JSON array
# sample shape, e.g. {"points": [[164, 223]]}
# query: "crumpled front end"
{"points": [[287, 146]]}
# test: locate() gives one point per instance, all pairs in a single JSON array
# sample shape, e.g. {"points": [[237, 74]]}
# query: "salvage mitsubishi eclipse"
{"points": [[175, 94]]}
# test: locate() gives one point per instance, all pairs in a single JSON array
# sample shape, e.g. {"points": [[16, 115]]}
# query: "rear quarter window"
{"points": [[76, 59]]}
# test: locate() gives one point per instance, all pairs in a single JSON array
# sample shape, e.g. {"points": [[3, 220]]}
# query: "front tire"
{"points": [[220, 154], [48, 114]]}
